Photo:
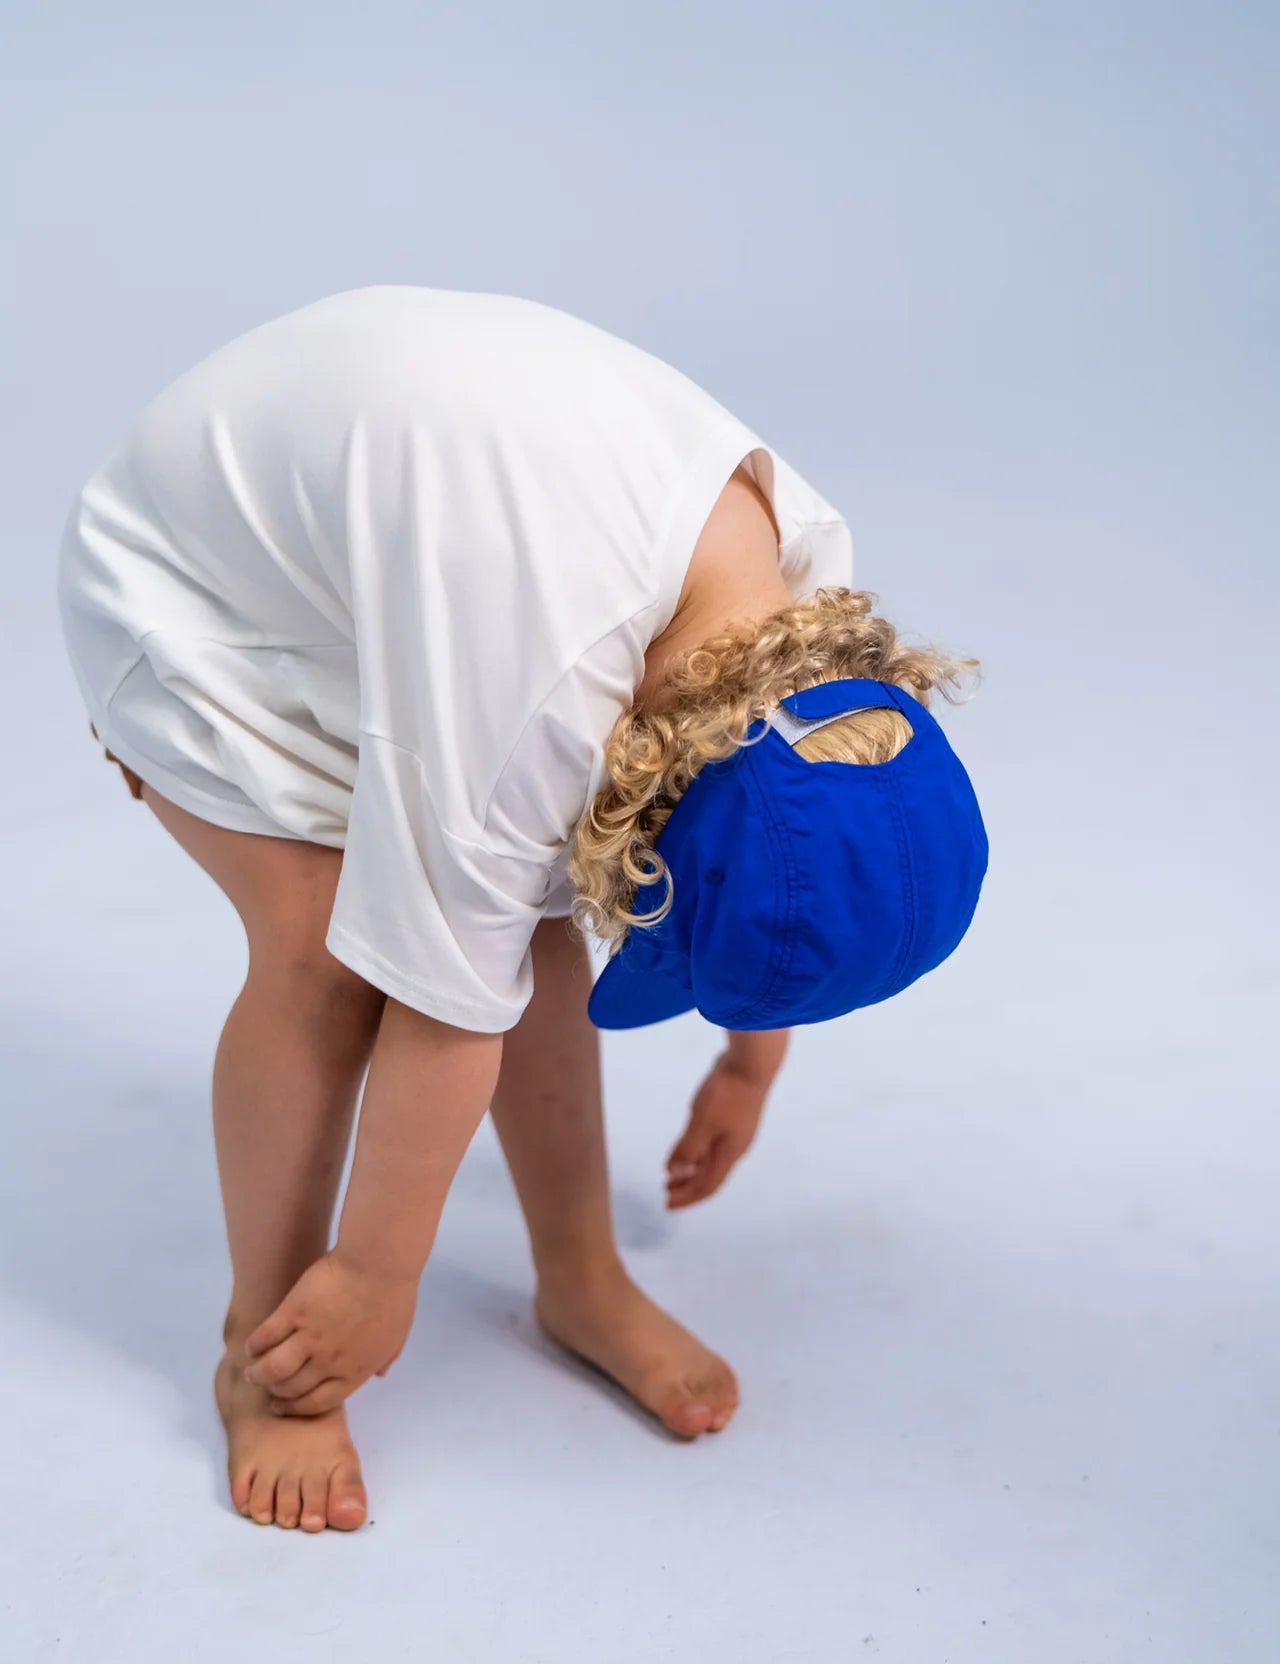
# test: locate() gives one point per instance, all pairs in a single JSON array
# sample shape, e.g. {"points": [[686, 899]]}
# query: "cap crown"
{"points": [[803, 890]]}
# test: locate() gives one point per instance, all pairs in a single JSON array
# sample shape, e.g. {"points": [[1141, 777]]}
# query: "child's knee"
{"points": [[296, 971]]}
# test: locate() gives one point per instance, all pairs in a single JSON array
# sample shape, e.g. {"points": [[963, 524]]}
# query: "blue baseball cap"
{"points": [[803, 890]]}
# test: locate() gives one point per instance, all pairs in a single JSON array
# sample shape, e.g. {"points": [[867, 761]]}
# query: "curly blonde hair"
{"points": [[712, 694]]}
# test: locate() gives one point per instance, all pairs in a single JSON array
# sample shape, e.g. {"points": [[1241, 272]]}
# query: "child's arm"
{"points": [[347, 1316], [725, 1114]]}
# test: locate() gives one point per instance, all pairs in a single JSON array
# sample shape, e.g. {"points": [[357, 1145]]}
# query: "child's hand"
{"points": [[722, 1123], [334, 1329]]}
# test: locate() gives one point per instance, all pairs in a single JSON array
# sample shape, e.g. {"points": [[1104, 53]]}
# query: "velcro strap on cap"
{"points": [[814, 707], [794, 728]]}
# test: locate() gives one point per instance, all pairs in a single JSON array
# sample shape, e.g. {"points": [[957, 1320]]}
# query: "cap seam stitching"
{"points": [[889, 784], [786, 947]]}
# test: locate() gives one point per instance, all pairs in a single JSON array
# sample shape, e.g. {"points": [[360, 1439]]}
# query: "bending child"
{"points": [[443, 630]]}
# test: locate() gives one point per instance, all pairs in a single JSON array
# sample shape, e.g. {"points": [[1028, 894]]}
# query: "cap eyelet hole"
{"points": [[874, 735]]}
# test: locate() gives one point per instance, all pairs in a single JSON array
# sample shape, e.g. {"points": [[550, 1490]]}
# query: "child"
{"points": [[415, 616]]}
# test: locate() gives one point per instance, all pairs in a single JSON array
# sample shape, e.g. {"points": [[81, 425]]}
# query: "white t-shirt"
{"points": [[381, 574]]}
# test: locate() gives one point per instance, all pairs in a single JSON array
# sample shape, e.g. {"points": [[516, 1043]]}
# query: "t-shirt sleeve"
{"points": [[817, 545], [441, 917], [439, 921], [825, 557]]}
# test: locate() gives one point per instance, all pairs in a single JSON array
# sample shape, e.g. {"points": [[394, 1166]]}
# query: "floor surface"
{"points": [[998, 1279]]}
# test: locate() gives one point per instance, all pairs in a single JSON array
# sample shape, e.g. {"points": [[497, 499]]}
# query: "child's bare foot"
{"points": [[616, 1327], [287, 1470]]}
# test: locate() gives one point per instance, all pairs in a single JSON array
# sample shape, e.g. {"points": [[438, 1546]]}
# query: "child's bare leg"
{"points": [[548, 1112], [286, 1079]]}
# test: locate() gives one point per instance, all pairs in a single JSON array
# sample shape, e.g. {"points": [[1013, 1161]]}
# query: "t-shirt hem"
{"points": [[361, 959], [217, 811]]}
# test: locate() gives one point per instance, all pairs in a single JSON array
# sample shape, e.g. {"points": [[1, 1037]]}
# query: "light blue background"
{"points": [[999, 1277]]}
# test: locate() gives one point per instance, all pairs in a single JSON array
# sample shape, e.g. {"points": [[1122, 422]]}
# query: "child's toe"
{"points": [[347, 1503], [702, 1404], [684, 1411], [262, 1498], [315, 1494], [288, 1499], [241, 1486]]}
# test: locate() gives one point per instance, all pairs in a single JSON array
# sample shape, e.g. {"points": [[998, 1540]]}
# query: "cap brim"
{"points": [[627, 995]]}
